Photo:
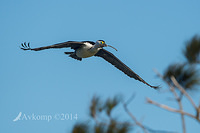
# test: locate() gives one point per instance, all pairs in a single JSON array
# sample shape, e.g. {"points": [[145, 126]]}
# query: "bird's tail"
{"points": [[69, 52]]}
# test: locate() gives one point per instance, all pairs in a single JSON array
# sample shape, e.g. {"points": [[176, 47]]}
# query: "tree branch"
{"points": [[178, 99], [165, 107], [183, 91], [134, 119]]}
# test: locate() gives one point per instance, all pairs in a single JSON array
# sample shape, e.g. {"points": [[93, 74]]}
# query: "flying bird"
{"points": [[87, 49]]}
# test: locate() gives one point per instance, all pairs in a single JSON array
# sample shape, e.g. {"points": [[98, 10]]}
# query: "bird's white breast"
{"points": [[86, 50]]}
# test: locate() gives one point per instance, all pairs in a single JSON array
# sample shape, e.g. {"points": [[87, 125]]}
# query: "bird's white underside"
{"points": [[87, 50]]}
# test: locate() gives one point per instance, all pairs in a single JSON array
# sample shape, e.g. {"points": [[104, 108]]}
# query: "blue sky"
{"points": [[147, 34]]}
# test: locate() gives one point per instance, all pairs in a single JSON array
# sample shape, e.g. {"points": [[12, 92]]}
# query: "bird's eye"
{"points": [[102, 42]]}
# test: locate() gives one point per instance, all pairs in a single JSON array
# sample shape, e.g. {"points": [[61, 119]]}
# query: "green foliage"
{"points": [[110, 104], [186, 75], [95, 107], [192, 50], [100, 128], [80, 128], [115, 127], [100, 113]]}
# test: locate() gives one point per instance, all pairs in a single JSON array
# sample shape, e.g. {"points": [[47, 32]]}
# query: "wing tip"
{"points": [[155, 87], [25, 47]]}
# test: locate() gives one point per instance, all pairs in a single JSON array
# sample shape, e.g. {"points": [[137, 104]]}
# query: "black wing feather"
{"points": [[74, 45], [120, 65]]}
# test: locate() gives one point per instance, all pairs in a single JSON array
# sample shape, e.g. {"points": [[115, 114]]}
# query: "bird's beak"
{"points": [[111, 47]]}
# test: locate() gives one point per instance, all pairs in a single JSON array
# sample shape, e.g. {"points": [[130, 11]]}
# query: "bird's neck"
{"points": [[96, 47]]}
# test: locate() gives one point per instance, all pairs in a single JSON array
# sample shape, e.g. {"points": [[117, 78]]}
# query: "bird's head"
{"points": [[102, 44]]}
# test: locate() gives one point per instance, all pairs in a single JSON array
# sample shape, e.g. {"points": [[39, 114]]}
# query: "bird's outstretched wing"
{"points": [[74, 45], [120, 65]]}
